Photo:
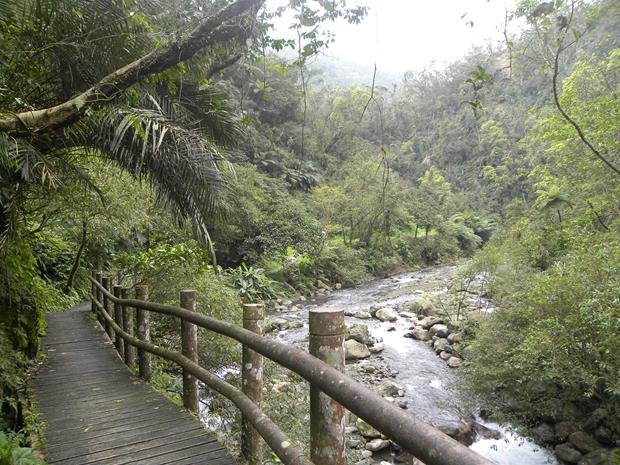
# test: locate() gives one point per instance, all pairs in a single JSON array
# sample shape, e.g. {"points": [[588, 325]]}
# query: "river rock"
{"points": [[409, 315], [544, 433], [355, 443], [465, 353], [338, 286], [362, 315], [376, 348], [420, 334], [485, 432], [439, 330], [445, 355], [377, 444], [422, 306], [353, 350], [357, 332], [567, 453], [595, 420], [563, 430], [275, 324], [440, 345], [454, 362], [390, 389], [402, 404], [584, 442], [604, 435], [366, 430], [296, 324], [601, 457], [429, 321], [386, 314], [455, 338]]}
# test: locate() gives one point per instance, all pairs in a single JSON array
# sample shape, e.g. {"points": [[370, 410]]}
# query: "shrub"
{"points": [[551, 349]]}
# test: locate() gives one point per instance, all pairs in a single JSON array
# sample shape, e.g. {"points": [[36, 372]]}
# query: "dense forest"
{"points": [[251, 176]]}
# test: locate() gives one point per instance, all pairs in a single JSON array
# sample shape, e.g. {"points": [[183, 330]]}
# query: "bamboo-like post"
{"points": [[118, 319], [107, 305], [327, 417], [251, 384], [189, 348], [99, 295], [128, 320], [144, 333]]}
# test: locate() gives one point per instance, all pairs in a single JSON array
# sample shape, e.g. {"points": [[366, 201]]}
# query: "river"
{"points": [[429, 383]]}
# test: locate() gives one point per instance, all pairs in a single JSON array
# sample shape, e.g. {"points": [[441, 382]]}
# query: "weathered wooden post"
{"points": [[107, 305], [144, 333], [128, 319], [251, 383], [189, 348], [327, 417], [118, 319], [99, 295]]}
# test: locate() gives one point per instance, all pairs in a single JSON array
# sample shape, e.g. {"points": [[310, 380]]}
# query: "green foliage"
{"points": [[550, 348], [251, 283], [11, 452]]}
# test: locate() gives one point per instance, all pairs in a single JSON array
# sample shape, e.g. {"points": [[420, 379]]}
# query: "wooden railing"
{"points": [[331, 391]]}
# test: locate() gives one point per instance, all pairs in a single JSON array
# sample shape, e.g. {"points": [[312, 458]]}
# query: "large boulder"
{"points": [[439, 330], [567, 453], [584, 442], [362, 315], [353, 350], [357, 332], [386, 314], [454, 362]]}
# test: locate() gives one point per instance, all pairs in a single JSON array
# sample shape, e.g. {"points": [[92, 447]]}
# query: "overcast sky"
{"points": [[413, 34]]}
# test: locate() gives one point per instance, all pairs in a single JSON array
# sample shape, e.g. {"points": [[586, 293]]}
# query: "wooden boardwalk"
{"points": [[96, 412]]}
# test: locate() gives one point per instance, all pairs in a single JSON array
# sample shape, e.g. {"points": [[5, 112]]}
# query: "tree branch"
{"points": [[208, 32], [572, 122]]}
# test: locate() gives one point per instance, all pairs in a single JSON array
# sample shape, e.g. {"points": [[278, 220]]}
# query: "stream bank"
{"points": [[407, 370]]}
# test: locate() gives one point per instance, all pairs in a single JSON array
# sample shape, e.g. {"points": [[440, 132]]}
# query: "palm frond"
{"points": [[186, 170]]}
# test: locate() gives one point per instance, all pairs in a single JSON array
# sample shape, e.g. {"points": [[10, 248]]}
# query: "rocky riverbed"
{"points": [[404, 340]]}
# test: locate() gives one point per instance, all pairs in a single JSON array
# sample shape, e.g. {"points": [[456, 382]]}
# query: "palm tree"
{"points": [[87, 63]]}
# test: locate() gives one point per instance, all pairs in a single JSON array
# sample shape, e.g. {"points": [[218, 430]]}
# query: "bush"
{"points": [[11, 452], [551, 349]]}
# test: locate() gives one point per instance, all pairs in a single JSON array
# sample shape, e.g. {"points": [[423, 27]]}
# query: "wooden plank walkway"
{"points": [[96, 412]]}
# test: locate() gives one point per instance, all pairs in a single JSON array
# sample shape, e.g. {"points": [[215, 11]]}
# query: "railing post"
{"points": [[189, 348], [107, 304], [144, 333], [118, 319], [251, 384], [327, 417], [128, 319], [99, 295]]}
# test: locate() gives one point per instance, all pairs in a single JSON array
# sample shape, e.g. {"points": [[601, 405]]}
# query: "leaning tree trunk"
{"points": [[78, 258]]}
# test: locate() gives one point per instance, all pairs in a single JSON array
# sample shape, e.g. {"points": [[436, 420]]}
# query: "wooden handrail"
{"points": [[424, 441], [273, 436]]}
